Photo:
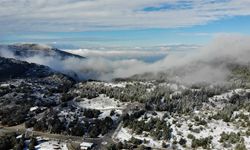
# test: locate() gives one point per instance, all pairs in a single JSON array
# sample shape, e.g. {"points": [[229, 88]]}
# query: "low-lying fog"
{"points": [[206, 64]]}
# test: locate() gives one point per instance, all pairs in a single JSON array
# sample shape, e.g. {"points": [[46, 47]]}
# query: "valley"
{"points": [[137, 112]]}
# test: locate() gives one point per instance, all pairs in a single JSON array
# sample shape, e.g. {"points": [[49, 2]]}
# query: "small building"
{"points": [[86, 146]]}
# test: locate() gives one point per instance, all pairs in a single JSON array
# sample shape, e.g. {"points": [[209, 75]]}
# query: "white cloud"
{"points": [[152, 54], [118, 53], [81, 15], [206, 64]]}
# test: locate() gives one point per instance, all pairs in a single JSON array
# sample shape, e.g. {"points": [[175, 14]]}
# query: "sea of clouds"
{"points": [[209, 63]]}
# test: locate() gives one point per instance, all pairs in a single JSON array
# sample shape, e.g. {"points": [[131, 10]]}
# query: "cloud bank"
{"points": [[141, 53], [82, 15], [208, 64], [117, 53]]}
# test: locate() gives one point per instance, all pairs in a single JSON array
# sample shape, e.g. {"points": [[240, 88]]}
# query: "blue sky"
{"points": [[141, 23]]}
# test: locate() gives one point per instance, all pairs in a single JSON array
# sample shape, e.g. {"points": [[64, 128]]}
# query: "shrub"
{"points": [[182, 141], [135, 141], [164, 145], [30, 123], [240, 146], [196, 130], [32, 144], [66, 97], [91, 113], [248, 132], [190, 136], [203, 142], [231, 137]]}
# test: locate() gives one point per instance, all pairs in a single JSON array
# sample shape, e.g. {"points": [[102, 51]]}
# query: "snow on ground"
{"points": [[125, 134], [102, 103], [124, 84], [105, 105], [120, 84], [217, 99], [247, 142], [34, 108], [152, 88], [160, 114], [173, 86], [106, 113], [229, 94], [150, 116], [4, 85], [109, 84], [240, 112], [214, 128], [51, 145]]}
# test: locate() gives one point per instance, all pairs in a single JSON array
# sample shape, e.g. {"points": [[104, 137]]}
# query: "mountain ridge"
{"points": [[16, 69], [31, 50]]}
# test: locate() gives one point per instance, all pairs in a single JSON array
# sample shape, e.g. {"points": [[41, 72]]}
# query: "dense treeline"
{"points": [[155, 97], [235, 102], [10, 141], [89, 126], [18, 96], [157, 128], [14, 115]]}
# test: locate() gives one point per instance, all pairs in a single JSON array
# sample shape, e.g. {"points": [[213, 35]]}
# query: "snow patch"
{"points": [[101, 103]]}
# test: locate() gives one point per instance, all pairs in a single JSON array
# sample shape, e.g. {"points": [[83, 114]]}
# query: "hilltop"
{"points": [[31, 50]]}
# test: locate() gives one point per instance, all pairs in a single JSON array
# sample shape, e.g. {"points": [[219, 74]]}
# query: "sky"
{"points": [[97, 24]]}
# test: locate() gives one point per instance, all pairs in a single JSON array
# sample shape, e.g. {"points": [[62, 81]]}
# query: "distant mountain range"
{"points": [[30, 50], [42, 55]]}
